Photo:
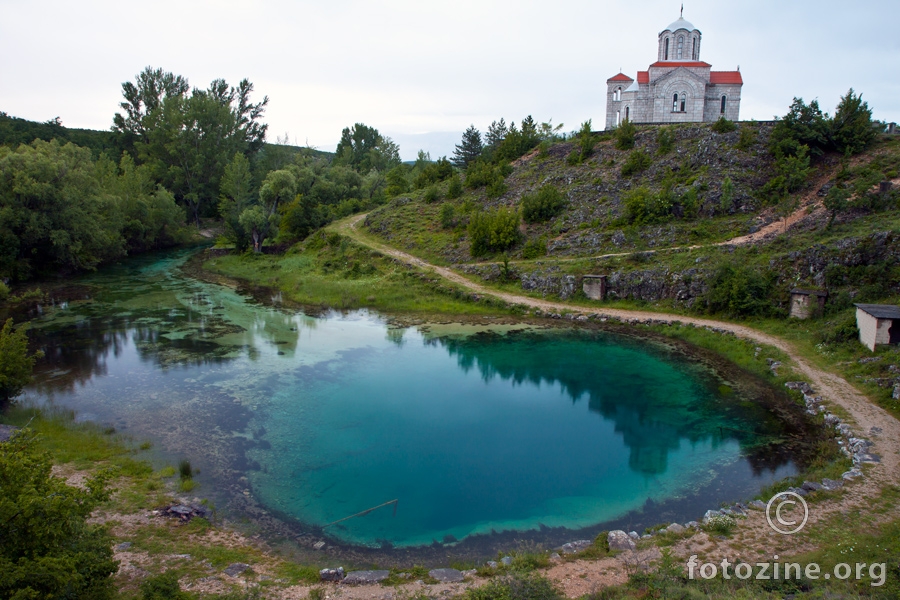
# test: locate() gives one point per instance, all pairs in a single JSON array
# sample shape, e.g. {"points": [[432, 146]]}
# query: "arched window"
{"points": [[618, 117], [617, 95], [723, 105], [666, 53], [680, 47], [627, 112], [696, 49], [675, 103], [683, 99]]}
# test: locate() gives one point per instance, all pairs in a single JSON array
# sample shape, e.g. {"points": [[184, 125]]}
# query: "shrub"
{"points": [[534, 249], [448, 215], [665, 139], [747, 139], [738, 291], [481, 174], [433, 173], [723, 125], [852, 128], [721, 524], [727, 195], [493, 231], [517, 587], [185, 470], [15, 362], [4, 292], [542, 206], [625, 134], [454, 188], [162, 587], [432, 195], [48, 549], [496, 188], [637, 161]]}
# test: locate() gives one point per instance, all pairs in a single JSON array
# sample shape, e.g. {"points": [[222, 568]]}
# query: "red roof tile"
{"points": [[643, 76], [687, 63], [725, 77], [620, 77]]}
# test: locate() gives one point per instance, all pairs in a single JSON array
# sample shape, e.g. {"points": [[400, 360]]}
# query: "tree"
{"points": [[542, 206], [852, 128], [49, 550], [468, 149], [237, 194], [727, 195], [495, 134], [625, 134], [362, 148], [803, 125], [15, 362], [261, 220], [493, 231], [836, 200], [188, 138]]}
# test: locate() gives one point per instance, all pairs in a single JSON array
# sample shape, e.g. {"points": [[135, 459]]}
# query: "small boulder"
{"points": [[757, 504], [365, 577], [506, 561], [235, 569], [831, 484], [491, 564], [447, 575], [811, 486], [710, 514], [576, 546], [332, 574], [675, 528], [123, 546], [634, 535], [619, 540]]}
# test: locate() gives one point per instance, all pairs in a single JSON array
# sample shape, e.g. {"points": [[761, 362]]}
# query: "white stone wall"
{"points": [[714, 94]]}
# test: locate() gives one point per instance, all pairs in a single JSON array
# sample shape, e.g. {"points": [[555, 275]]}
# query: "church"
{"points": [[677, 88]]}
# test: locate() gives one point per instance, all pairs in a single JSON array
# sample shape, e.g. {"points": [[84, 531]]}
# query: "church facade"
{"points": [[677, 88]]}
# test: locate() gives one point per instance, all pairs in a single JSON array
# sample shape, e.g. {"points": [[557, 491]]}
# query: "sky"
{"points": [[422, 72]]}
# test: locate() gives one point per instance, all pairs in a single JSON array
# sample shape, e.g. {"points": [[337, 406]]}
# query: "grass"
{"points": [[346, 275]]}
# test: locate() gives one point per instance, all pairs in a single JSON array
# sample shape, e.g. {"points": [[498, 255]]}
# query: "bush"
{"points": [[534, 249], [433, 173], [852, 128], [518, 587], [49, 550], [727, 195], [482, 174], [15, 362], [448, 215], [542, 206], [454, 188], [738, 291], [493, 231], [665, 139], [432, 195], [721, 524], [162, 587], [496, 188], [747, 139], [637, 162], [723, 125], [625, 134], [4, 292]]}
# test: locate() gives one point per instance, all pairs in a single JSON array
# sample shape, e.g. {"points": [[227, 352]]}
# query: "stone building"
{"points": [[806, 303], [677, 88], [878, 324]]}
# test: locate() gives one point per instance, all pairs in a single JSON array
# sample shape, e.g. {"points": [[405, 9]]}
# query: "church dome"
{"points": [[680, 24]]}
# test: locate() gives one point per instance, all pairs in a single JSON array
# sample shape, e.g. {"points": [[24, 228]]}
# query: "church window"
{"points": [[683, 96], [627, 112], [675, 103], [666, 53], [618, 117], [723, 105], [617, 95], [680, 46], [696, 49]]}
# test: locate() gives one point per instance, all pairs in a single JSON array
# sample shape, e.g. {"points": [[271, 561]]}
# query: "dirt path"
{"points": [[753, 536]]}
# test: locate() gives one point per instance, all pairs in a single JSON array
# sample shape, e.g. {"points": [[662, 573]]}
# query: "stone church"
{"points": [[677, 88]]}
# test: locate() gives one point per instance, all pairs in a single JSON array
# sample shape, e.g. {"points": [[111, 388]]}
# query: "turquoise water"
{"points": [[471, 428]]}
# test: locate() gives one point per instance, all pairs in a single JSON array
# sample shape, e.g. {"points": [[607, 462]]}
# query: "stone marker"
{"points": [[447, 575], [365, 577]]}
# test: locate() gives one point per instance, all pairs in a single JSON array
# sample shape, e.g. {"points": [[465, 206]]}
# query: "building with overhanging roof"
{"points": [[878, 324], [677, 88]]}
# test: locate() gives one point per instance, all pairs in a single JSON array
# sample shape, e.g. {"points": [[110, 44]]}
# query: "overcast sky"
{"points": [[411, 68]]}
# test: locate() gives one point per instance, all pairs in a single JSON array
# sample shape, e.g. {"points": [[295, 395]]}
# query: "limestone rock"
{"points": [[619, 540], [332, 574], [831, 484], [447, 575], [675, 528], [365, 577], [576, 546], [235, 569]]}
